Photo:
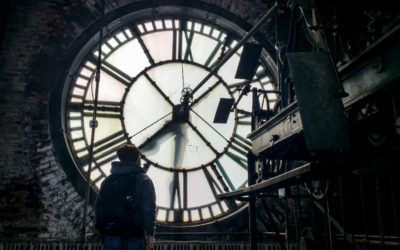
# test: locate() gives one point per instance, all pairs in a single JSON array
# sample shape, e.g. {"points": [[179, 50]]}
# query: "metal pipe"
{"points": [[337, 225], [93, 126], [252, 202], [271, 219], [342, 208], [363, 209], [286, 221], [236, 48], [329, 224], [379, 208]]}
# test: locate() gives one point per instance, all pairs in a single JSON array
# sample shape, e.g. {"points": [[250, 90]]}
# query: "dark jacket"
{"points": [[146, 203]]}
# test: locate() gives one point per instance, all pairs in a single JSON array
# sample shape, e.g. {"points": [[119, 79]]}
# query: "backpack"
{"points": [[115, 214]]}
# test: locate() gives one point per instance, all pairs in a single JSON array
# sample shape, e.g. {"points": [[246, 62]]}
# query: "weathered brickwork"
{"points": [[36, 197]]}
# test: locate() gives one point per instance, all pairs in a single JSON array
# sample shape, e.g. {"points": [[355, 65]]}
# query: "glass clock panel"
{"points": [[199, 190], [228, 70], [110, 89], [202, 48], [237, 173], [122, 58], [162, 183], [159, 51], [106, 127], [139, 120], [172, 77]]}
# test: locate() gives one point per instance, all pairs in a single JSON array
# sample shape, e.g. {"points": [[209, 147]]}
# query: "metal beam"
{"points": [[236, 48], [252, 202], [291, 176], [361, 79]]}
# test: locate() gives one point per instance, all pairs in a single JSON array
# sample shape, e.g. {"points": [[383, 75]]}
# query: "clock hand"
{"points": [[201, 118], [162, 131], [235, 49], [130, 137]]}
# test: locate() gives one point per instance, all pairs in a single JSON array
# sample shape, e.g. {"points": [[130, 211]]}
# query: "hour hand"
{"points": [[165, 129]]}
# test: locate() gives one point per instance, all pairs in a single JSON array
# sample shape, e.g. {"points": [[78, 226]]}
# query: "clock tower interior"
{"points": [[263, 124]]}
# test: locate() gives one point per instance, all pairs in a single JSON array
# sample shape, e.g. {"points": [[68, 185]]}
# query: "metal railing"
{"points": [[162, 245]]}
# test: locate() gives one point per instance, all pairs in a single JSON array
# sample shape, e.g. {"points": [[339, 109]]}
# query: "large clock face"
{"points": [[149, 95]]}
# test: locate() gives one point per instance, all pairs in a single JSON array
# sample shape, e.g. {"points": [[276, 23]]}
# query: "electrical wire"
{"points": [[150, 125]]}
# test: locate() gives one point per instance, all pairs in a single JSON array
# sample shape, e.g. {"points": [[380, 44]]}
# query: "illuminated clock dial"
{"points": [[146, 97]]}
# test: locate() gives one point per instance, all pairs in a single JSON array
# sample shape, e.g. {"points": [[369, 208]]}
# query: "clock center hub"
{"points": [[181, 111]]}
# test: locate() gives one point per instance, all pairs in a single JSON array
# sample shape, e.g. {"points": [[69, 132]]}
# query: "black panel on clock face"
{"points": [[223, 110]]}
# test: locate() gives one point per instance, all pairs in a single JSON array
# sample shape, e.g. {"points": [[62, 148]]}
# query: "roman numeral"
{"points": [[189, 38], [176, 197], [88, 106], [175, 41], [225, 176], [134, 30], [217, 187], [113, 71], [237, 86], [238, 150], [105, 147], [212, 54], [242, 114], [224, 50], [175, 192], [242, 119]]}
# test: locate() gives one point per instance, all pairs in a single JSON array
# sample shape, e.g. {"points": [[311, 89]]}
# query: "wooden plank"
{"points": [[272, 183]]}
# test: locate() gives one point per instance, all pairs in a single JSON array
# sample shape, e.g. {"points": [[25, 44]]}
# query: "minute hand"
{"points": [[233, 51]]}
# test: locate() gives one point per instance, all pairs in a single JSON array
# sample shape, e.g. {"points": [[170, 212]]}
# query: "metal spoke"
{"points": [[236, 48], [205, 93], [158, 89], [113, 71], [144, 47], [203, 138]]}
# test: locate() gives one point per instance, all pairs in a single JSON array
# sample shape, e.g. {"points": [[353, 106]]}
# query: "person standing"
{"points": [[125, 207]]}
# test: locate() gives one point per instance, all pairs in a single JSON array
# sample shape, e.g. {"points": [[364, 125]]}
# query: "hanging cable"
{"points": [[93, 125]]}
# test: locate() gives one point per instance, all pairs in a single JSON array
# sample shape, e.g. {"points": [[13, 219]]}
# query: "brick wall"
{"points": [[36, 197]]}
